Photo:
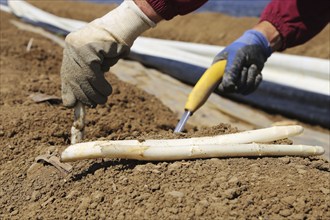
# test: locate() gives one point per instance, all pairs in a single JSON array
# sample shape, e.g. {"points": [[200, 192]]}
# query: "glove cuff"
{"points": [[253, 37], [125, 23]]}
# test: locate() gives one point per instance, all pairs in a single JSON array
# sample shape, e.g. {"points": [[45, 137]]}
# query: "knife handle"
{"points": [[205, 86]]}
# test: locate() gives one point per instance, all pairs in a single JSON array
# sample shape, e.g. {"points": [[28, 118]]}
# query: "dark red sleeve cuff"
{"points": [[297, 20], [168, 9]]}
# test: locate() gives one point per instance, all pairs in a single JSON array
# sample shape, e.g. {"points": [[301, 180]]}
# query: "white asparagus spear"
{"points": [[96, 149], [77, 129], [258, 136], [90, 150]]}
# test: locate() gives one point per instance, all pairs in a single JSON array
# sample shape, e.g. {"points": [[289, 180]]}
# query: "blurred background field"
{"points": [[231, 7]]}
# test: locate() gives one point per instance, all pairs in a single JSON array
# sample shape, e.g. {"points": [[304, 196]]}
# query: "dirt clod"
{"points": [[176, 194]]}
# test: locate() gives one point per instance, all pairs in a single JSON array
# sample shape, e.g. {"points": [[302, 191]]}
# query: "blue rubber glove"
{"points": [[245, 59]]}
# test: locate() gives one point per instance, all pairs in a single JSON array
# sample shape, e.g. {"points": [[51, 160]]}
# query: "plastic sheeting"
{"points": [[294, 86], [306, 106]]}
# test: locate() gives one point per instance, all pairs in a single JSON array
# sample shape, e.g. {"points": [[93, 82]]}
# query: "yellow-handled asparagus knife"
{"points": [[201, 92]]}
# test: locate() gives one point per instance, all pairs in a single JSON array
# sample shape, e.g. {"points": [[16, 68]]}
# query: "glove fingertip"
{"points": [[220, 56], [108, 90], [68, 102], [101, 100], [68, 98], [254, 85], [258, 80], [220, 88]]}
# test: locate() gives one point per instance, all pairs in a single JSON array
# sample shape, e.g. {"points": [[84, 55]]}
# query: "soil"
{"points": [[233, 188]]}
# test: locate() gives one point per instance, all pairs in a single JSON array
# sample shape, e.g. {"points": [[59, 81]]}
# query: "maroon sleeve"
{"points": [[297, 20], [167, 9]]}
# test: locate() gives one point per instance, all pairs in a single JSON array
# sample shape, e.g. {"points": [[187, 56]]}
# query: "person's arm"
{"points": [[148, 10], [92, 50], [297, 21], [168, 9], [283, 24], [271, 34]]}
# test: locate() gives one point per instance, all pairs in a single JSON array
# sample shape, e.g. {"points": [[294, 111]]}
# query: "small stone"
{"points": [[98, 172], [19, 175], [98, 197], [321, 165], [32, 169], [174, 166], [272, 194], [139, 168], [52, 149], [301, 171], [155, 187], [142, 197], [230, 194], [234, 180], [316, 164], [204, 203], [48, 201], [299, 204], [155, 171], [36, 195], [84, 204], [299, 216], [325, 191], [177, 194], [15, 212], [114, 187], [188, 180], [11, 147], [286, 212], [124, 181], [43, 76], [116, 202], [173, 210], [102, 216], [72, 194], [199, 210], [138, 212], [10, 209], [220, 179], [93, 205], [215, 160], [303, 167], [255, 169], [285, 160], [289, 200]]}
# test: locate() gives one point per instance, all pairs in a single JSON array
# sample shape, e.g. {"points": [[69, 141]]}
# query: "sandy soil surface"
{"points": [[236, 188]]}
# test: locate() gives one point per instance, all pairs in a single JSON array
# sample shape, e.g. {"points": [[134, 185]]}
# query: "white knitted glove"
{"points": [[92, 50]]}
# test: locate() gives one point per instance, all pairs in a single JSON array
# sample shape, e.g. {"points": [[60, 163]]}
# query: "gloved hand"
{"points": [[92, 50], [245, 60]]}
